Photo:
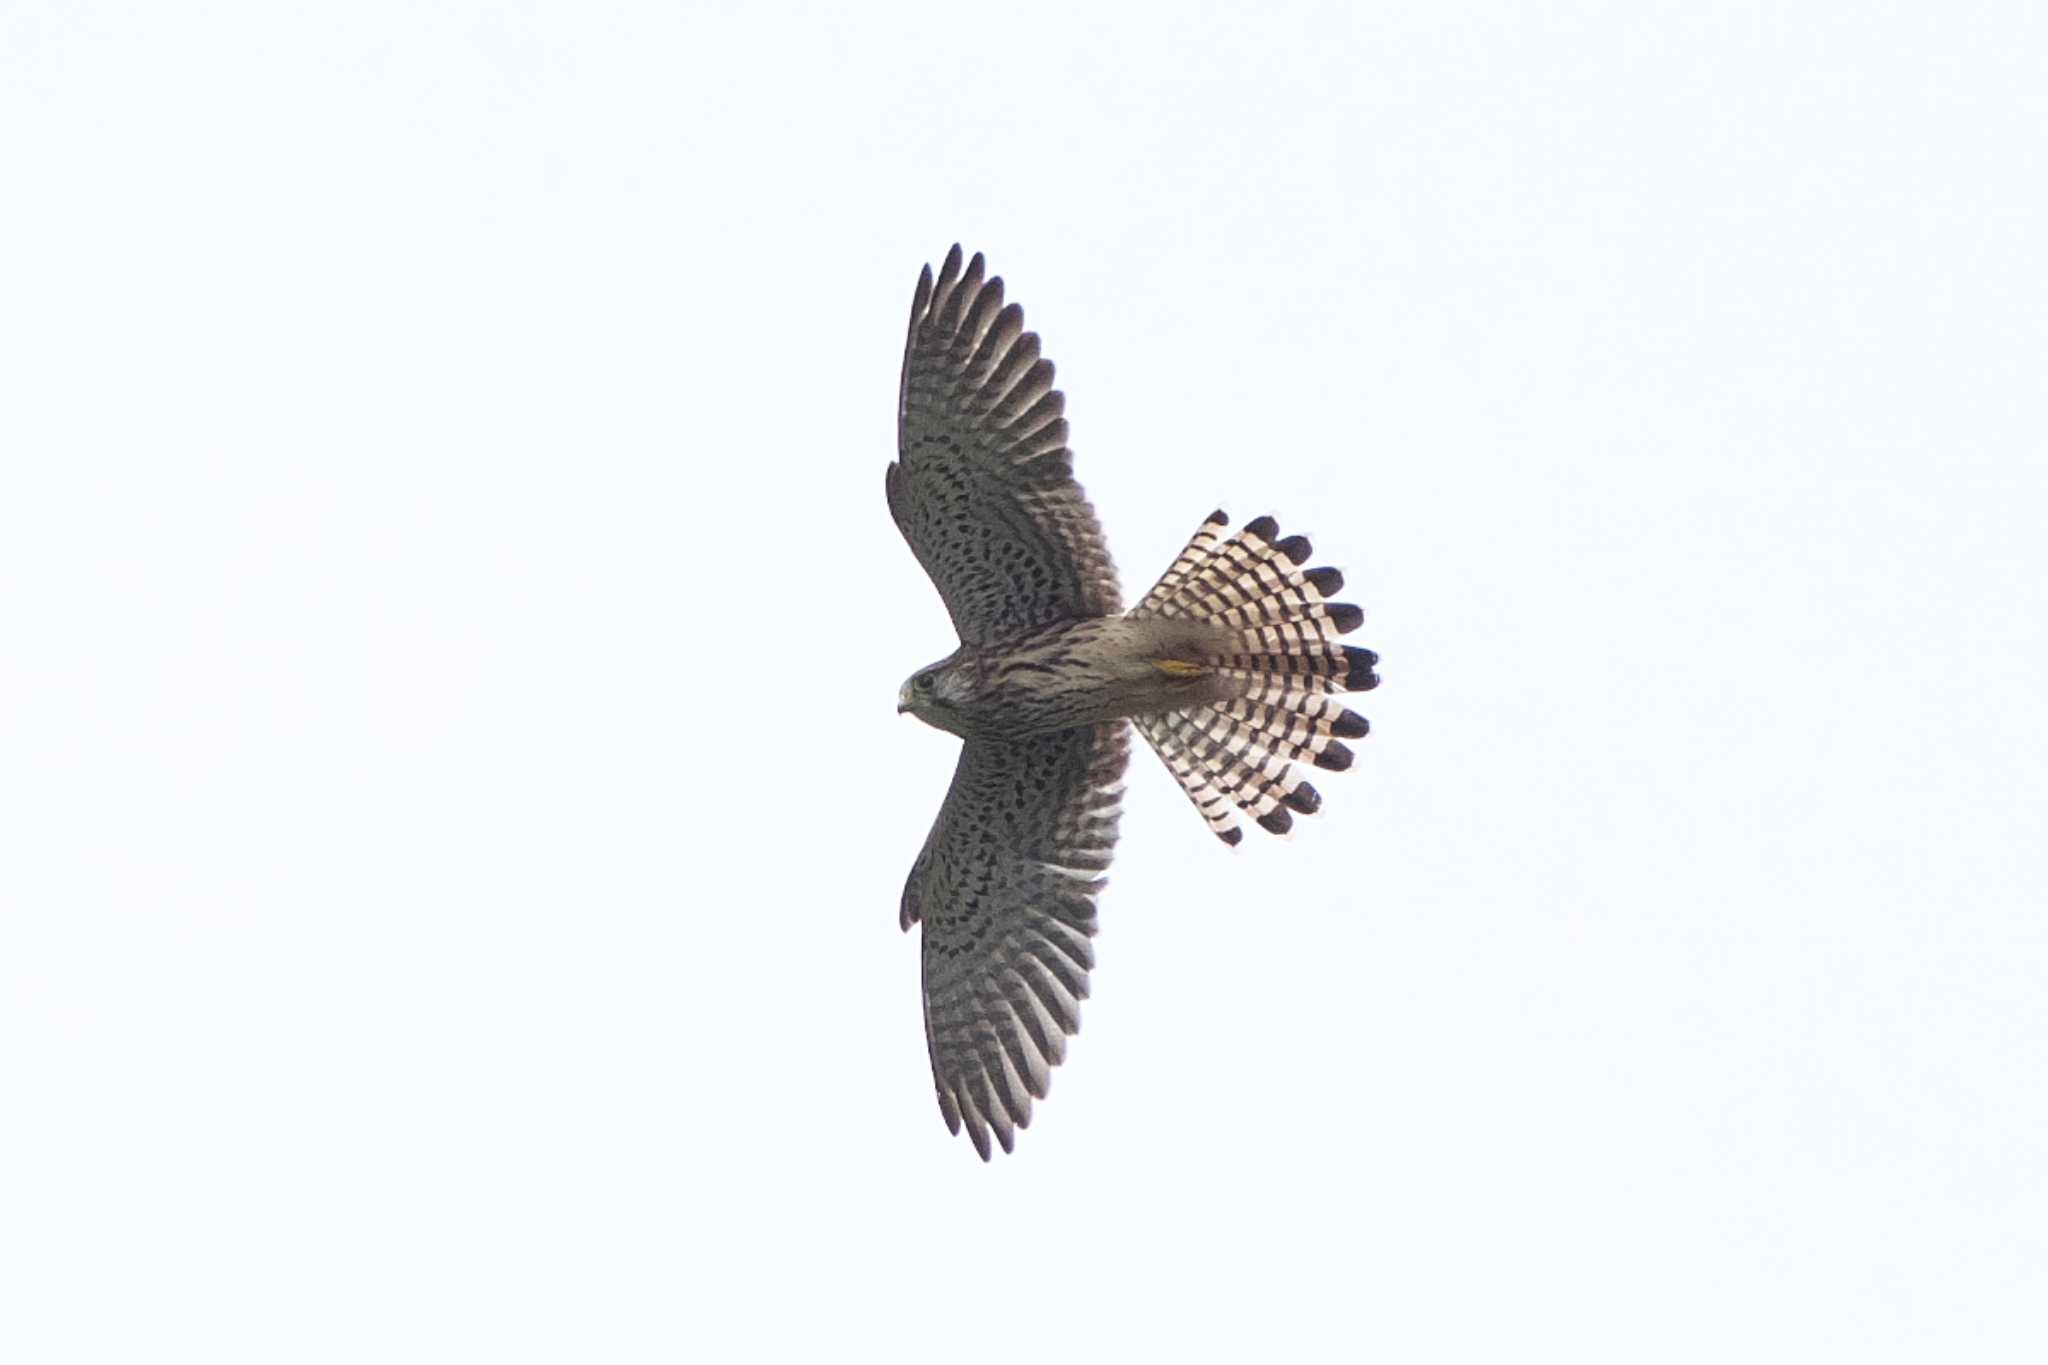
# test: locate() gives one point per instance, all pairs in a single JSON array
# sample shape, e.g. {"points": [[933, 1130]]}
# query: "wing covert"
{"points": [[1005, 888], [983, 485]]}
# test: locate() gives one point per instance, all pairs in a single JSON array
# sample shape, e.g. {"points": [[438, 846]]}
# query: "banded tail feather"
{"points": [[1282, 659]]}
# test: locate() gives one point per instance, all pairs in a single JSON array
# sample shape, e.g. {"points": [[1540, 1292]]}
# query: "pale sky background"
{"points": [[454, 808]]}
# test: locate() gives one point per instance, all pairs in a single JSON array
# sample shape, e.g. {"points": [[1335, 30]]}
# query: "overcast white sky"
{"points": [[454, 808]]}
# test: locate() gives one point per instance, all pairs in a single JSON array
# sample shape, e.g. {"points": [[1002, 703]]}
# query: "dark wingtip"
{"points": [[1296, 548], [1345, 617], [1232, 836], [1350, 725], [1304, 798], [1360, 677], [1277, 820], [1262, 528], [1219, 517], [922, 298], [1326, 581], [1334, 758]]}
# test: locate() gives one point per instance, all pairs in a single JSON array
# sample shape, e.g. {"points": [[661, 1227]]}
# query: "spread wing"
{"points": [[1006, 889], [983, 485]]}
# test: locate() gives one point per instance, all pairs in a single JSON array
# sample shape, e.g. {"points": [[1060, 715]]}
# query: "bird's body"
{"points": [[1069, 674], [1226, 667]]}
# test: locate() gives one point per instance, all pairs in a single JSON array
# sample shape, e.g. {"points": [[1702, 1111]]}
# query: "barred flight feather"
{"points": [[1284, 655], [1163, 733]]}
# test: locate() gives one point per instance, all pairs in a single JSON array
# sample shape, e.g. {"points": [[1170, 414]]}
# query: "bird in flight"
{"points": [[1227, 667]]}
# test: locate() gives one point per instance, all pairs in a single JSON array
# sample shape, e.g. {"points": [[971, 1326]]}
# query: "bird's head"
{"points": [[937, 694]]}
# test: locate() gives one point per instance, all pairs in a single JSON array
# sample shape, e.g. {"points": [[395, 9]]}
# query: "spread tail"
{"points": [[1280, 657]]}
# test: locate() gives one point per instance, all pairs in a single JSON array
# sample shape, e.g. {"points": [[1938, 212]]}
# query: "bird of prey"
{"points": [[1227, 667]]}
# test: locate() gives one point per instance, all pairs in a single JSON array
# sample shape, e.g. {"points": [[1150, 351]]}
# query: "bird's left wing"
{"points": [[1005, 888], [983, 485]]}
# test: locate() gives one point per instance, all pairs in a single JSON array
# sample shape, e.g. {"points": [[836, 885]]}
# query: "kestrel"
{"points": [[1226, 667]]}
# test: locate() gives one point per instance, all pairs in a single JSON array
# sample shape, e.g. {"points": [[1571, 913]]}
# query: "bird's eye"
{"points": [[922, 682]]}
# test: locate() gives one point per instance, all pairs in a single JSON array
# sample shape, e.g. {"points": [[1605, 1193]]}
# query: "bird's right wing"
{"points": [[983, 485], [1005, 888]]}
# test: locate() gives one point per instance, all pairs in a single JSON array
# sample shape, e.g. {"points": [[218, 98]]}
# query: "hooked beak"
{"points": [[902, 699]]}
